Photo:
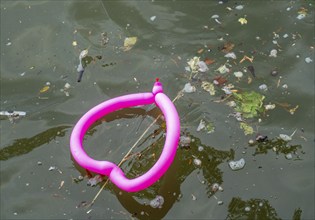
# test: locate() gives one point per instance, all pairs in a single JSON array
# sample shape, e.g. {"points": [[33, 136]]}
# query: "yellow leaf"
{"points": [[44, 89], [292, 110], [242, 21], [129, 42]]}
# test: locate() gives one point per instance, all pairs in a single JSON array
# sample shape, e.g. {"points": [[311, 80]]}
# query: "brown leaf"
{"points": [[200, 51], [220, 80], [227, 47], [209, 61]]}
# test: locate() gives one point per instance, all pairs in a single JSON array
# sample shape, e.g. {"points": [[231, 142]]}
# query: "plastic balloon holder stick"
{"points": [[110, 169]]}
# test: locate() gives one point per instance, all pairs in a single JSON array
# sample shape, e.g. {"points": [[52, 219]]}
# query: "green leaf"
{"points": [[250, 104], [247, 128]]}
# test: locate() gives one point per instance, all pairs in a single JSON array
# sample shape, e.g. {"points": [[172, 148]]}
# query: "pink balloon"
{"points": [[110, 169]]}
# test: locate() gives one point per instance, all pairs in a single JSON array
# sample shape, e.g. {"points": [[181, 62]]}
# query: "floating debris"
{"points": [[285, 86], [65, 89], [247, 128], [269, 106], [239, 7], [263, 87], [104, 38], [189, 88], [129, 42], [214, 16], [237, 116], [220, 202], [237, 164], [209, 87], [227, 90], [83, 54], [223, 69], [12, 113], [273, 53], [288, 156], [94, 180], [301, 16], [200, 148], [193, 64], [202, 66], [152, 18], [219, 80], [251, 141], [285, 36], [230, 55], [308, 60], [74, 43], [261, 138], [80, 70], [197, 162], [51, 168], [231, 103], [184, 141], [238, 74], [215, 187], [242, 21], [157, 202], [251, 69], [250, 59], [274, 72], [202, 125], [247, 209]]}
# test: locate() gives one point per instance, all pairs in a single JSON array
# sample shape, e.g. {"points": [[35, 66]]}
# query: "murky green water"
{"points": [[38, 175]]}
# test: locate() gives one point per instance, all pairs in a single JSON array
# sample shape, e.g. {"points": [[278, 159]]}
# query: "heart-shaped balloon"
{"points": [[110, 169]]}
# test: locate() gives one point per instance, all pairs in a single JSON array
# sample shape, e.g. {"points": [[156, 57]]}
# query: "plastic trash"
{"points": [[263, 87], [273, 53], [202, 66], [308, 60], [201, 125], [189, 88], [300, 16], [237, 164], [230, 55], [197, 162], [184, 141], [238, 74], [12, 113], [95, 180], [157, 202], [239, 7]]}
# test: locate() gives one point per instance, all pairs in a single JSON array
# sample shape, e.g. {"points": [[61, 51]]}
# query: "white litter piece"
{"points": [[300, 16], [273, 53], [230, 55], [189, 88], [263, 87], [239, 7], [202, 66], [157, 202], [238, 74], [308, 60], [201, 125], [197, 162], [12, 113], [95, 180], [237, 164], [152, 18]]}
